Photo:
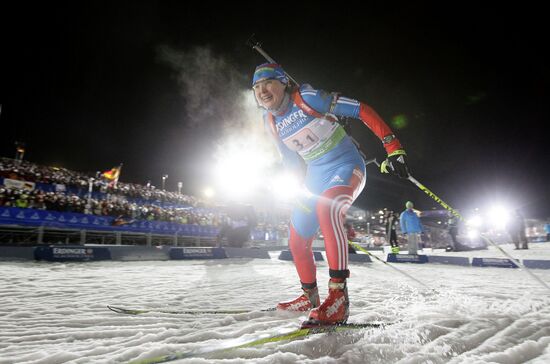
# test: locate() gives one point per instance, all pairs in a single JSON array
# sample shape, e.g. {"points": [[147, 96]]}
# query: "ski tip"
{"points": [[117, 309], [114, 309], [125, 310]]}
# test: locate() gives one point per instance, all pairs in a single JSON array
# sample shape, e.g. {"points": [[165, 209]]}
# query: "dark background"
{"points": [[83, 87]]}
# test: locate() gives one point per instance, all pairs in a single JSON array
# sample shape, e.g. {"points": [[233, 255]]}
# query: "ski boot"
{"points": [[395, 250], [335, 309], [308, 300]]}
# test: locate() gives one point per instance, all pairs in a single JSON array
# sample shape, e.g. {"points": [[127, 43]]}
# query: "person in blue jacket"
{"points": [[411, 226], [304, 124]]}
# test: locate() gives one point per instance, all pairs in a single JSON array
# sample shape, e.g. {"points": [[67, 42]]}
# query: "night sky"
{"points": [[90, 86]]}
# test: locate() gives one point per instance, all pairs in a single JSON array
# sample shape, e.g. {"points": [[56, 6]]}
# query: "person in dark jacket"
{"points": [[452, 224], [392, 220], [516, 229]]}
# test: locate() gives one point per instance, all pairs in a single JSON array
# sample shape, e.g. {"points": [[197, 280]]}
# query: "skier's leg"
{"points": [[331, 209], [302, 253], [303, 227]]}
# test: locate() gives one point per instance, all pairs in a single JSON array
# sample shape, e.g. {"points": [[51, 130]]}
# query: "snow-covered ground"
{"points": [[56, 313]]}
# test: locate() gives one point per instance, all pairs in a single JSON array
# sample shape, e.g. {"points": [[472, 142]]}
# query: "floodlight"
{"points": [[499, 216], [472, 234], [286, 187], [475, 221], [209, 192]]}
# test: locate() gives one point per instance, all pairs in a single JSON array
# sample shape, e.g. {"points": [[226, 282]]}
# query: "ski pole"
{"points": [[434, 196], [357, 246], [454, 212], [516, 261]]}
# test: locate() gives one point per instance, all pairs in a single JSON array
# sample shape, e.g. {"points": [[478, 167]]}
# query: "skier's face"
{"points": [[269, 93]]}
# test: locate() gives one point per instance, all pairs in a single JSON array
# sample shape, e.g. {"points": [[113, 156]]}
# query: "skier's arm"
{"points": [[291, 160], [376, 124], [396, 161], [337, 105]]}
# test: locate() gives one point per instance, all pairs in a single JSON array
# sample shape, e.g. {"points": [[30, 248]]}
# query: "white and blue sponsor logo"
{"points": [[292, 123], [72, 253]]}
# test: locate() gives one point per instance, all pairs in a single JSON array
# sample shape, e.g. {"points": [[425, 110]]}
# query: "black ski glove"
{"points": [[396, 164]]}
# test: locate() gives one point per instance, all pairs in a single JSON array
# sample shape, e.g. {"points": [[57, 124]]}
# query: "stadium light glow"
{"points": [[499, 216], [236, 174], [242, 167], [286, 187], [475, 221], [209, 192], [473, 233]]}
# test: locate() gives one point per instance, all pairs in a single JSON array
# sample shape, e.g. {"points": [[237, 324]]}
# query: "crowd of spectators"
{"points": [[125, 200], [26, 171]]}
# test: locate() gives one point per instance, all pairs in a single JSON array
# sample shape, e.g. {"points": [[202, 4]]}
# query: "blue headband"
{"points": [[269, 71]]}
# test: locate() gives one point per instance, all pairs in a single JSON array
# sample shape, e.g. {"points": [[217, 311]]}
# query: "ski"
{"points": [[293, 335], [306, 331], [128, 311]]}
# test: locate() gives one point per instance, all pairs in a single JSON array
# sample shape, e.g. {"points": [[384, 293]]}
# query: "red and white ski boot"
{"points": [[308, 300], [335, 309]]}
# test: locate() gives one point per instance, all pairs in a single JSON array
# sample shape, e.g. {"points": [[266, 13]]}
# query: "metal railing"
{"points": [[30, 236]]}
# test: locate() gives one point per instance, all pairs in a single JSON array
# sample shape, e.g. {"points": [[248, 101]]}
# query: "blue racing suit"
{"points": [[335, 171]]}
